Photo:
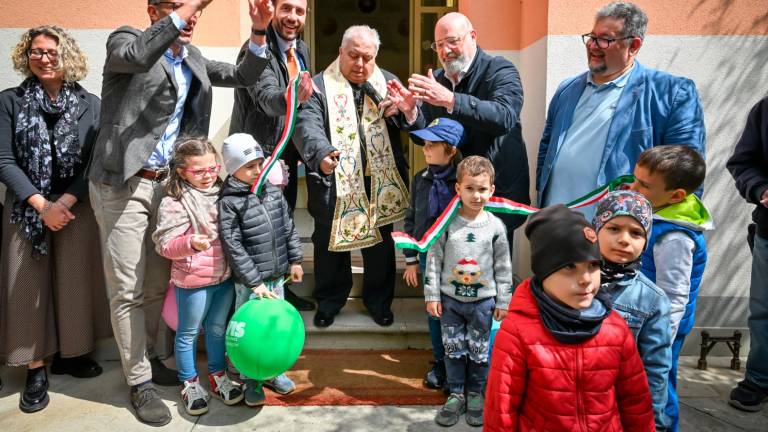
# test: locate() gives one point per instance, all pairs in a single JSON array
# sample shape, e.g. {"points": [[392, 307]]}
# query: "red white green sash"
{"points": [[497, 205], [292, 105]]}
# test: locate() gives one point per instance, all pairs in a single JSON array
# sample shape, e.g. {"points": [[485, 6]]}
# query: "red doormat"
{"points": [[360, 377]]}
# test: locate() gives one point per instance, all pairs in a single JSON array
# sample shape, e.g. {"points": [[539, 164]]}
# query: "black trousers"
{"points": [[291, 158], [333, 273]]}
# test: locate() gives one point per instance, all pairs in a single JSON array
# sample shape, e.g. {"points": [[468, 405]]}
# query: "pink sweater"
{"points": [[190, 268]]}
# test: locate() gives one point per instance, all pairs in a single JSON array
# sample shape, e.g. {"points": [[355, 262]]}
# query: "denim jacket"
{"points": [[645, 308]]}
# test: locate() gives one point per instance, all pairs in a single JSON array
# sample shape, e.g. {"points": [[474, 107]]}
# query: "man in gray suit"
{"points": [[156, 86]]}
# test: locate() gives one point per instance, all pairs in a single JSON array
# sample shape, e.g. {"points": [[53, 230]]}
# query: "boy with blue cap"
{"points": [[431, 190]]}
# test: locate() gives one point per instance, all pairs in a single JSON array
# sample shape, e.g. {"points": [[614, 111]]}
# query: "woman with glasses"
{"points": [[52, 295]]}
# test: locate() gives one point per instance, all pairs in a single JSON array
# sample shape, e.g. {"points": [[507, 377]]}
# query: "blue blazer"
{"points": [[655, 108]]}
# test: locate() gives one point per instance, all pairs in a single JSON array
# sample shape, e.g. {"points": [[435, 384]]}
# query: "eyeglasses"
{"points": [[602, 43], [200, 173], [175, 5], [450, 42], [37, 54]]}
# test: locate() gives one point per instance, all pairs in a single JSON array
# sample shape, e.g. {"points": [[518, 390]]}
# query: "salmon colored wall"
{"points": [[219, 25], [678, 17], [499, 25]]}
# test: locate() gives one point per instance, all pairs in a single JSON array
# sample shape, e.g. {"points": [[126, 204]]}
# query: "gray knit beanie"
{"points": [[239, 149]]}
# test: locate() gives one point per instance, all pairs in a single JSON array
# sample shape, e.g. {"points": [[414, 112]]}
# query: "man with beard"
{"points": [[355, 178], [259, 110], [481, 92], [599, 122], [156, 87]]}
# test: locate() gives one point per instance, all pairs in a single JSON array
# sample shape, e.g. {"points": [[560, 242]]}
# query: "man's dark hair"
{"points": [[681, 166], [635, 20]]}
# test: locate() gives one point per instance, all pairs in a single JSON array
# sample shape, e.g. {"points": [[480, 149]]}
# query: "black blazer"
{"points": [[12, 175], [259, 110], [489, 100]]}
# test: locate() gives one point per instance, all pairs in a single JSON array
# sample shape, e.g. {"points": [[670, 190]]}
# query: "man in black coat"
{"points": [[348, 146], [749, 167], [481, 92], [259, 110]]}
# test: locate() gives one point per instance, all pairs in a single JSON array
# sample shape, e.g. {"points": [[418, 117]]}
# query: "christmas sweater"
{"points": [[470, 262]]}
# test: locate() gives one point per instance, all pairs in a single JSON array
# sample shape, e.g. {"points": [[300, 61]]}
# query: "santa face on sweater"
{"points": [[466, 278]]}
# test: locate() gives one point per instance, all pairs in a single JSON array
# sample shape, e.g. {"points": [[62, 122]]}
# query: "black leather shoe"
{"points": [[322, 319], [78, 367], [385, 320], [148, 406], [297, 302], [35, 395], [161, 374]]}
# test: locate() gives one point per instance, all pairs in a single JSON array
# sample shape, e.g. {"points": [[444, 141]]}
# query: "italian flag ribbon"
{"points": [[497, 205], [292, 105]]}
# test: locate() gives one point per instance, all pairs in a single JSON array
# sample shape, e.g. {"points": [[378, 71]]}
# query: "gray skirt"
{"points": [[56, 302]]}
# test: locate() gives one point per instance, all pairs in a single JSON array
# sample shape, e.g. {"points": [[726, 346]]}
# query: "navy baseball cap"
{"points": [[442, 129]]}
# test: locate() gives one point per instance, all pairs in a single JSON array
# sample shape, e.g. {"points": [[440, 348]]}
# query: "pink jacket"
{"points": [[190, 268]]}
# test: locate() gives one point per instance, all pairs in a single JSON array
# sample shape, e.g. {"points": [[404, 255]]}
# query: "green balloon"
{"points": [[264, 338]]}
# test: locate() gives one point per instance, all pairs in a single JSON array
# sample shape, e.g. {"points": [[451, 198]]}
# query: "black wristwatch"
{"points": [[262, 32]]}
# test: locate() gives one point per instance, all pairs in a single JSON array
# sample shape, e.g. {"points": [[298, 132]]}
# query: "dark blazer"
{"points": [[259, 109], [488, 102], [257, 232], [139, 94], [749, 163], [12, 175], [312, 139]]}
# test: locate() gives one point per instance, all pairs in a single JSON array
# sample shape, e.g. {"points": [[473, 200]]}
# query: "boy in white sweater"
{"points": [[468, 283]]}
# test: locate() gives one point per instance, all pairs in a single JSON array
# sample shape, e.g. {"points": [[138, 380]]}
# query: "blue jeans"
{"points": [[757, 361], [207, 307], [435, 334], [466, 331]]}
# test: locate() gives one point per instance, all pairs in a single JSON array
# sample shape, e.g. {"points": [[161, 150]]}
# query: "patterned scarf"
{"points": [[567, 325], [200, 214], [440, 193], [33, 150], [611, 274]]}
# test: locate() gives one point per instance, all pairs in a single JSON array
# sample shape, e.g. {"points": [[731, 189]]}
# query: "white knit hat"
{"points": [[239, 149]]}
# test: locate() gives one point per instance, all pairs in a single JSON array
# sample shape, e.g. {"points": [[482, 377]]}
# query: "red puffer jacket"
{"points": [[539, 384]]}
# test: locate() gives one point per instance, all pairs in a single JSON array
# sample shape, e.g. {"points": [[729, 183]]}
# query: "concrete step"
{"points": [[354, 328]]}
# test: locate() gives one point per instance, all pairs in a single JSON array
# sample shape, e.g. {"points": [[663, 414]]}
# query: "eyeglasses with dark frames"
{"points": [[37, 54], [176, 5], [602, 43]]}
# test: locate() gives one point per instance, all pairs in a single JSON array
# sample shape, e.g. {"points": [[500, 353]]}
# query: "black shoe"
{"points": [[748, 396], [162, 374], [35, 395], [78, 367], [435, 378], [297, 302], [323, 319], [148, 406], [385, 320]]}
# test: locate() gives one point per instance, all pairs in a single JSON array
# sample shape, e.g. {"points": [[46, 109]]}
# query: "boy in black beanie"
{"points": [[561, 344]]}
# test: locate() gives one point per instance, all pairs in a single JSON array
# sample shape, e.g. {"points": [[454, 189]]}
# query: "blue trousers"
{"points": [[757, 360], [672, 409], [435, 334], [466, 329], [207, 307]]}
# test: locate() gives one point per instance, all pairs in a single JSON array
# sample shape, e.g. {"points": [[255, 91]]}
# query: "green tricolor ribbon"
{"points": [[497, 205]]}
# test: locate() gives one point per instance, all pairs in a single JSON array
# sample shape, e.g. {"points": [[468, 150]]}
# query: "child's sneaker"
{"points": [[224, 389], [448, 414], [194, 397], [475, 402], [254, 393], [280, 384], [748, 397], [435, 378]]}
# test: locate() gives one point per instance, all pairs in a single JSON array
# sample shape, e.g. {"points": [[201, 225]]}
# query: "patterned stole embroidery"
{"points": [[356, 216]]}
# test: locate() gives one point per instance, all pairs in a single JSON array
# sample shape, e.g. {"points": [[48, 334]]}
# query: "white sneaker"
{"points": [[194, 397], [224, 389]]}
